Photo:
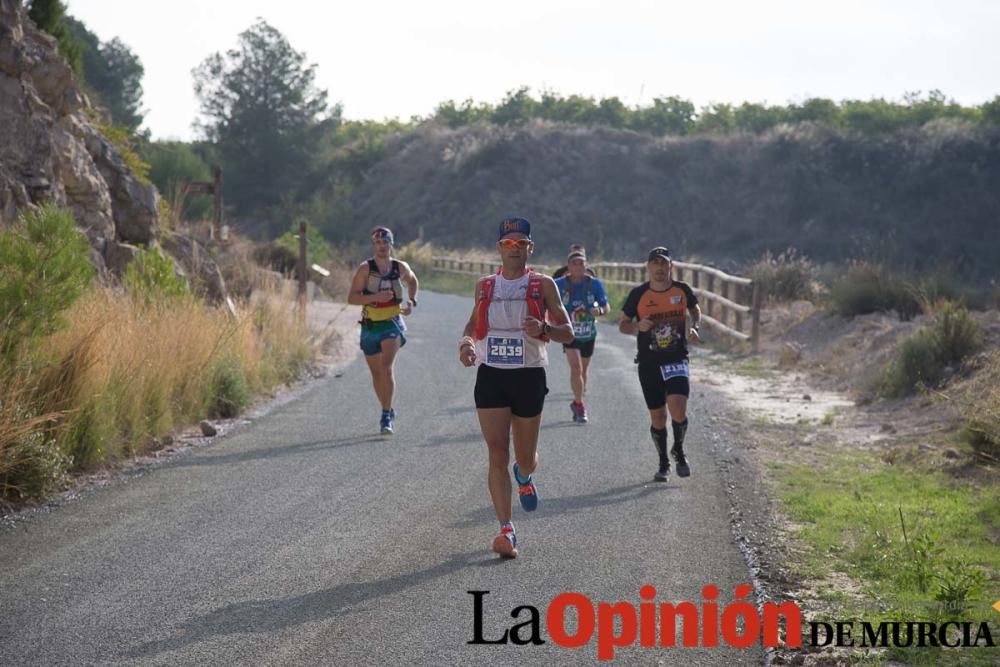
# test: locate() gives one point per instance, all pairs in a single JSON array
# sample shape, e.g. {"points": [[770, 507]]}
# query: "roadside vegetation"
{"points": [[934, 352], [979, 403], [917, 545], [91, 376], [905, 529]]}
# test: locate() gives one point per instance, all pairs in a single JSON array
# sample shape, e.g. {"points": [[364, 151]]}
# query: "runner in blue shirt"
{"points": [[584, 298]]}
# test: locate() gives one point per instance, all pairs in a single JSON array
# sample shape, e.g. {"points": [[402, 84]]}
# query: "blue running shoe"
{"points": [[386, 422], [527, 492], [505, 544]]}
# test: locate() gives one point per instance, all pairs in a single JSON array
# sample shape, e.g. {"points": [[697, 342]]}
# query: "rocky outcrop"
{"points": [[198, 264], [51, 150]]}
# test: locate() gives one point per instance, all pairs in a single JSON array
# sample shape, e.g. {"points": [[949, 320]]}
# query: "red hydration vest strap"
{"points": [[534, 296]]}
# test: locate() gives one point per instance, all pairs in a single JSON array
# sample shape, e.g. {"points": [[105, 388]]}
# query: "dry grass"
{"points": [[979, 404], [125, 371], [19, 420], [419, 255]]}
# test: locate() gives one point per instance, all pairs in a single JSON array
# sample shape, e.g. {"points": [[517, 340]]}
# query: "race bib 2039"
{"points": [[505, 351]]}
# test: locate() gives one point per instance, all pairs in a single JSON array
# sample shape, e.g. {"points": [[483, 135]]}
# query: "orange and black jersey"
{"points": [[666, 342]]}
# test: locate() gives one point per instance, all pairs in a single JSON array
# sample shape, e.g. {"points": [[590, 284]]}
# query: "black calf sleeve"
{"points": [[680, 430], [660, 441]]}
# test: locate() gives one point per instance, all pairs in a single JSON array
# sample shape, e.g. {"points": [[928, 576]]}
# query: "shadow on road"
{"points": [[277, 451], [560, 424], [456, 410], [472, 437], [548, 506], [270, 616]]}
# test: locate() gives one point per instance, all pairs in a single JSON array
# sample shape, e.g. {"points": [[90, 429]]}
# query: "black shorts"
{"points": [[655, 389], [586, 347], [520, 389]]}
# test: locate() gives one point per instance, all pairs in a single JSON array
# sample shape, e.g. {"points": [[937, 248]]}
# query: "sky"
{"points": [[382, 59]]}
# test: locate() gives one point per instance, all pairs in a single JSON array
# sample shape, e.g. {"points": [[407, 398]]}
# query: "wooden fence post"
{"points": [[755, 318], [710, 306], [738, 293], [216, 203], [303, 276]]}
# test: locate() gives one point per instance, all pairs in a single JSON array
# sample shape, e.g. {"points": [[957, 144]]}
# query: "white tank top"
{"points": [[506, 345]]}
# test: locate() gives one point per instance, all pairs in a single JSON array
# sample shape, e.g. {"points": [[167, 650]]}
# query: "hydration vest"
{"points": [[533, 295], [378, 281]]}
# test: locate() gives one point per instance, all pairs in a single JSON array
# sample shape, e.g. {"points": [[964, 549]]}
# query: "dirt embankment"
{"points": [[810, 397]]}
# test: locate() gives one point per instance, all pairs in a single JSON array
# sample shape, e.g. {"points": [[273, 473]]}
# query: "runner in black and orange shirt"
{"points": [[656, 313]]}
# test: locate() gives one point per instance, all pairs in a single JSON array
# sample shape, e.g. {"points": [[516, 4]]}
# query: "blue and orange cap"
{"points": [[382, 233], [514, 226]]}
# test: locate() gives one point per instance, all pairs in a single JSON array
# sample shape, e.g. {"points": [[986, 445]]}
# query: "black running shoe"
{"points": [[683, 469], [662, 474]]}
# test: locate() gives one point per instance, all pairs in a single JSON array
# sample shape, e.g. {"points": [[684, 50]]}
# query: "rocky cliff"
{"points": [[51, 150]]}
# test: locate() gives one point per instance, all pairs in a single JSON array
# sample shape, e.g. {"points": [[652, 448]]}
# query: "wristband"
{"points": [[413, 302]]}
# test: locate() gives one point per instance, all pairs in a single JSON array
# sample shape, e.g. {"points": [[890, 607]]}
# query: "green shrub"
{"points": [[869, 288], [983, 434], [42, 466], [979, 405], [229, 389], [914, 364], [276, 257], [172, 164], [44, 268], [958, 585], [317, 249], [787, 277], [122, 139], [90, 431], [923, 358], [31, 463], [418, 255], [941, 286], [958, 335], [151, 275]]}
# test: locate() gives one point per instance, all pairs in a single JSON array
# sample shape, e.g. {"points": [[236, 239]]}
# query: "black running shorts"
{"points": [[520, 389], [586, 347], [655, 389]]}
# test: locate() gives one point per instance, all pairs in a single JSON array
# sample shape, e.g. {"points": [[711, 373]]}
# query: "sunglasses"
{"points": [[515, 243], [382, 237]]}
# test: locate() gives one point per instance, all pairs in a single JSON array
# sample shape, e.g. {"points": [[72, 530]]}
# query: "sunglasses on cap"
{"points": [[515, 243]]}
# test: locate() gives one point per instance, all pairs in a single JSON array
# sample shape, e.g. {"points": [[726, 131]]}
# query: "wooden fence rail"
{"points": [[728, 303]]}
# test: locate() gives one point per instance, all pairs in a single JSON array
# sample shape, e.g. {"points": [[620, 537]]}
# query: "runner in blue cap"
{"points": [[516, 312]]}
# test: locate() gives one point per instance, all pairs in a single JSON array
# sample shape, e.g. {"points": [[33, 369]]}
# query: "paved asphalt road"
{"points": [[305, 539]]}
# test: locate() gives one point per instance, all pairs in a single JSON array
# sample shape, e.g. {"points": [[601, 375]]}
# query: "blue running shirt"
{"points": [[579, 298]]}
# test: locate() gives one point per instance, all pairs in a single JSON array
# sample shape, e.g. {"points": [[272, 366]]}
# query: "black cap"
{"points": [[659, 251]]}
